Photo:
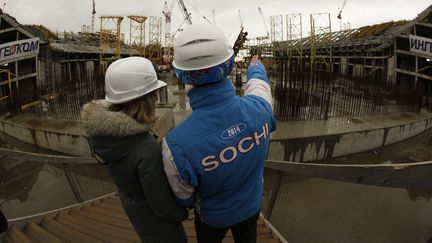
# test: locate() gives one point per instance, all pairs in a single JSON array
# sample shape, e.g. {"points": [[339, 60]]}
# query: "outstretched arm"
{"points": [[258, 82]]}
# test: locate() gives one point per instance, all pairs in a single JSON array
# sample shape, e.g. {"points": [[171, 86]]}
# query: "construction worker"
{"points": [[121, 139], [214, 160]]}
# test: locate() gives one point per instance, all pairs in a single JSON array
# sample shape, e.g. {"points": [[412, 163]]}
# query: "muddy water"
{"points": [[30, 188], [318, 210]]}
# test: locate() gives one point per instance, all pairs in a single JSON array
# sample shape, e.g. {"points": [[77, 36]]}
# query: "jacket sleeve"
{"points": [[258, 82], [258, 85], [183, 184], [155, 186]]}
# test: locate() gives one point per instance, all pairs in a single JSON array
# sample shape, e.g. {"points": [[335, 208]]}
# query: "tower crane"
{"points": [[241, 38], [241, 20], [265, 26], [93, 16], [168, 37], [179, 28], [186, 14], [206, 19], [340, 11]]}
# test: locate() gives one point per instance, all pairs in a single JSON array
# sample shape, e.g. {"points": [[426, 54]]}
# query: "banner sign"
{"points": [[420, 45], [19, 48]]}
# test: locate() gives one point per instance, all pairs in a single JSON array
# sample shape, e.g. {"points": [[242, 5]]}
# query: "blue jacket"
{"points": [[214, 160]]}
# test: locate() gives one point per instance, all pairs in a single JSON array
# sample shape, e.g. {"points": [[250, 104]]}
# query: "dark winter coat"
{"points": [[134, 161], [3, 223]]}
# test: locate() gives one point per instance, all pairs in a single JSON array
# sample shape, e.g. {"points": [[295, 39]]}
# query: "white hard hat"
{"points": [[201, 46], [130, 78]]}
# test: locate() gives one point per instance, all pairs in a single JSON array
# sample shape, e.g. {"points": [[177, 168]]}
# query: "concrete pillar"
{"points": [[89, 68], [416, 71], [69, 71], [343, 65], [16, 74], [391, 72], [78, 69]]}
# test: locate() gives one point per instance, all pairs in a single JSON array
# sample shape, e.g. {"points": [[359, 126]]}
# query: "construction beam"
{"points": [[8, 30], [405, 175], [414, 54], [15, 155], [419, 75]]}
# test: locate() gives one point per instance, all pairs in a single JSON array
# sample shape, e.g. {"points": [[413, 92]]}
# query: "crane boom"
{"points": [[241, 20], [93, 16], [206, 19], [185, 13], [340, 11], [168, 37], [263, 20], [167, 12]]}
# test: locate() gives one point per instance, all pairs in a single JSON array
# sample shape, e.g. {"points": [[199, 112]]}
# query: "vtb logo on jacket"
{"points": [[230, 153]]}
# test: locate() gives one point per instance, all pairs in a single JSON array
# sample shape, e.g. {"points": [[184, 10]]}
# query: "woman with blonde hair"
{"points": [[120, 136]]}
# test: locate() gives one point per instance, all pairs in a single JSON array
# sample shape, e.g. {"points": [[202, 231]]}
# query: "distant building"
{"points": [[62, 60], [398, 51], [18, 63]]}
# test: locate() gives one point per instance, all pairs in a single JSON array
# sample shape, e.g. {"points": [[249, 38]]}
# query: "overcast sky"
{"points": [[70, 15]]}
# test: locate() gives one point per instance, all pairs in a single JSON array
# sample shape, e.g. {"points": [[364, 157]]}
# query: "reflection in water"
{"points": [[30, 188], [16, 179], [317, 210]]}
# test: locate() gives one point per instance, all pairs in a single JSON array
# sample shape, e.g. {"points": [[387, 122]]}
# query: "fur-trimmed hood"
{"points": [[99, 120]]}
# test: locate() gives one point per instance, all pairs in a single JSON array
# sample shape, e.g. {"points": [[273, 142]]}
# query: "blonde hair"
{"points": [[142, 109]]}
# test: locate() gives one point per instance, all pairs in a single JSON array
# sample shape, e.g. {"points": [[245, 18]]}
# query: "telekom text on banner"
{"points": [[19, 48], [421, 45]]}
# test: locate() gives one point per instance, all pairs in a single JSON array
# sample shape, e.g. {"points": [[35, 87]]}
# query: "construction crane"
{"points": [[241, 20], [214, 16], [186, 14], [206, 19], [168, 37], [265, 26], [340, 11], [241, 38], [93, 16], [179, 28]]}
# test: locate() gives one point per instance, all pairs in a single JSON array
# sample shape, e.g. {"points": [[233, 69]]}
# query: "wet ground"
{"points": [[30, 188], [307, 210], [318, 210]]}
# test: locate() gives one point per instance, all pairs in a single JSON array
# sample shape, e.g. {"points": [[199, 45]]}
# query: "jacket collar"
{"points": [[211, 94], [99, 120]]}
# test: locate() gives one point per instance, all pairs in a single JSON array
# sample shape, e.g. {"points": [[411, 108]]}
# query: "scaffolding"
{"points": [[169, 39], [155, 39], [137, 34], [294, 36], [276, 26], [9, 80], [276, 34], [109, 40], [344, 26], [321, 38]]}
